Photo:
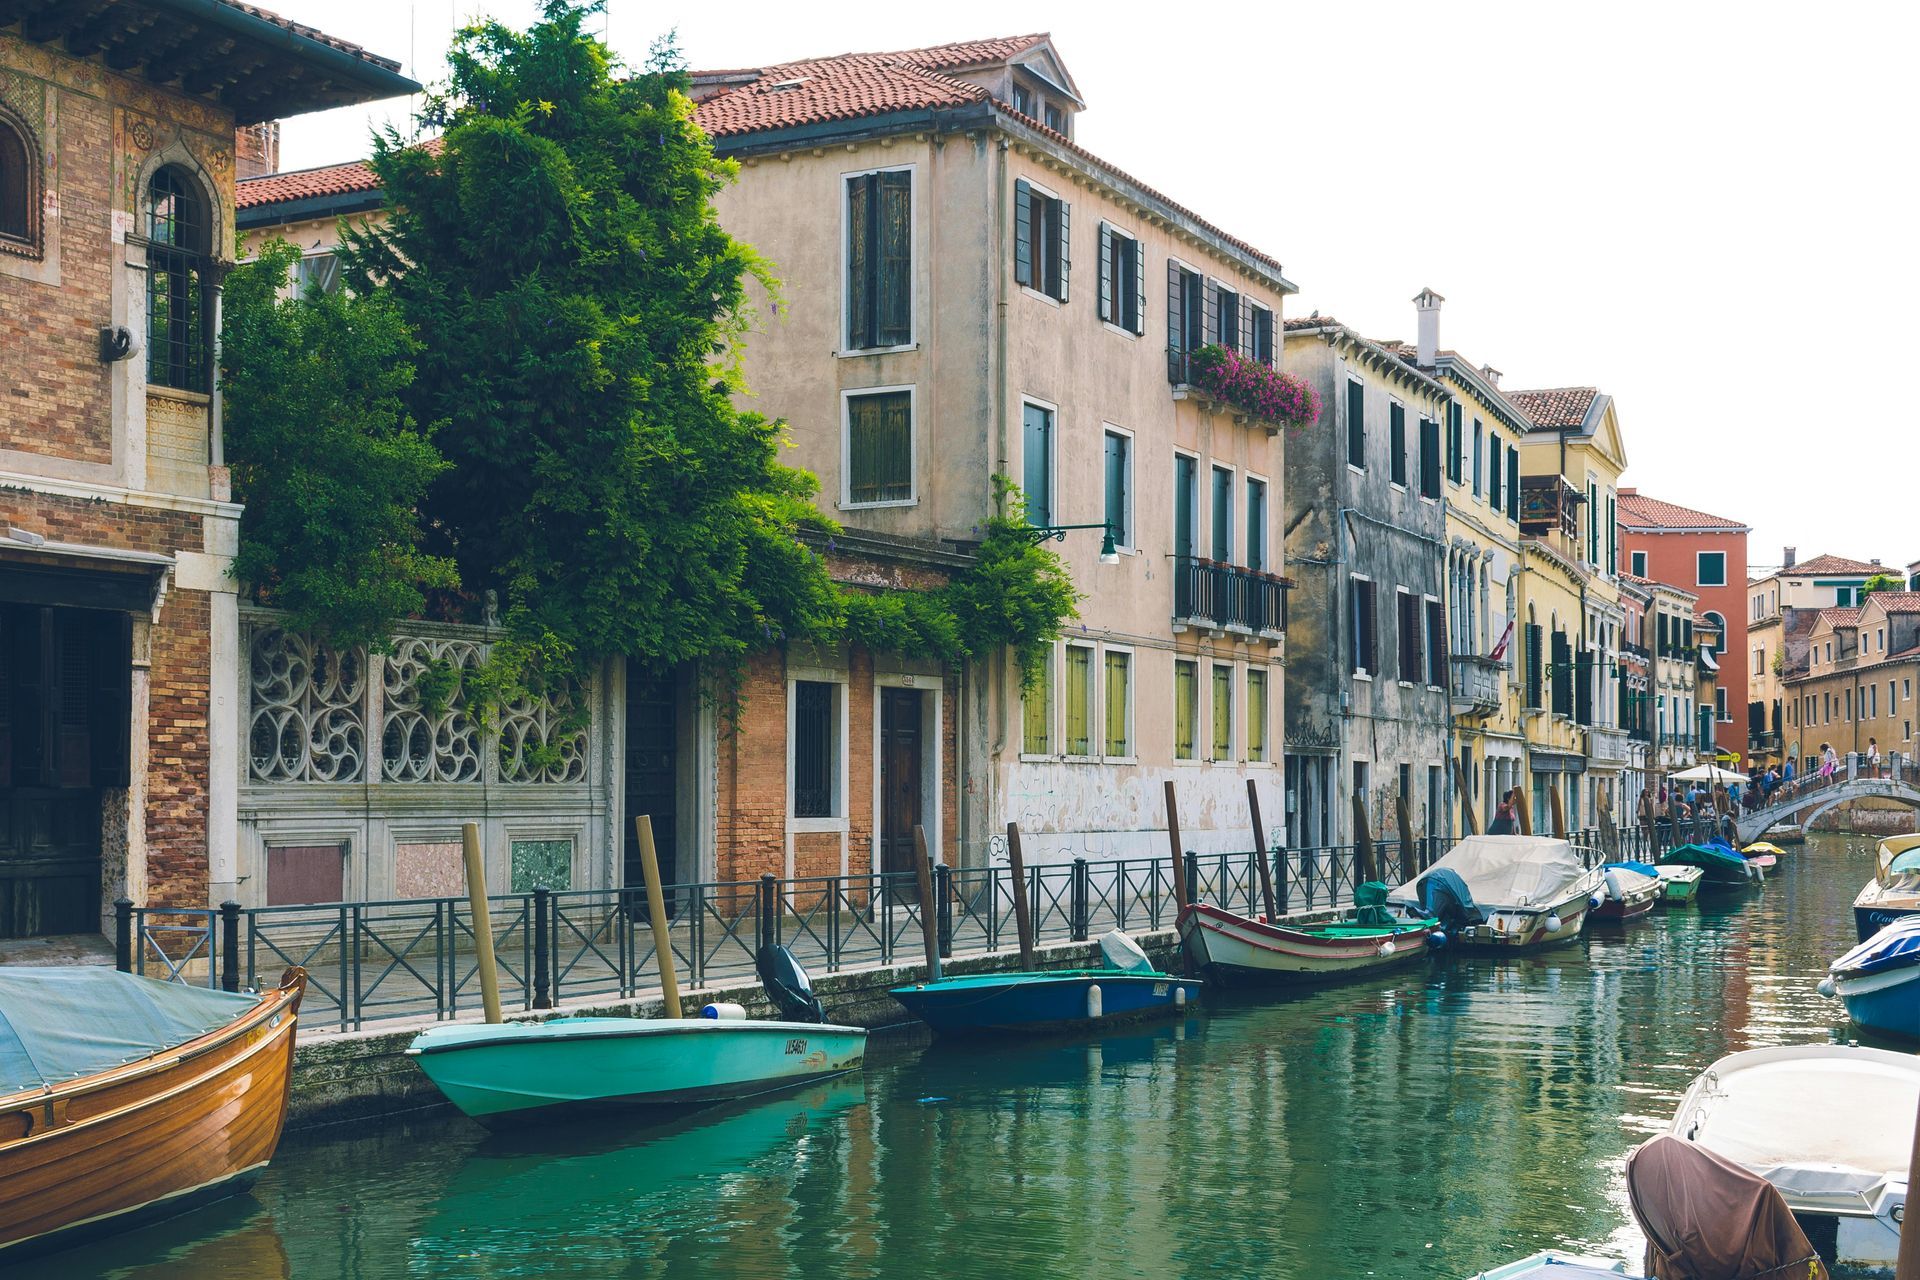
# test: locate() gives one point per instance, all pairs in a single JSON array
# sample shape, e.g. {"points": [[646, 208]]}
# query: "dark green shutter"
{"points": [[1139, 321], [1023, 233], [1356, 425], [1397, 443], [1176, 334], [1185, 477], [1037, 465], [1210, 313], [1064, 261], [1106, 272], [1116, 509], [895, 303], [1513, 483], [859, 261]]}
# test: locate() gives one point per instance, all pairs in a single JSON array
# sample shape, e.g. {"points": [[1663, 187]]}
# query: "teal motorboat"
{"points": [[1128, 989], [507, 1071], [1720, 865]]}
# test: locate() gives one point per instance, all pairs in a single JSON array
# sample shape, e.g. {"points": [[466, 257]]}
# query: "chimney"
{"points": [[1493, 375], [256, 150], [1427, 303], [1788, 555]]}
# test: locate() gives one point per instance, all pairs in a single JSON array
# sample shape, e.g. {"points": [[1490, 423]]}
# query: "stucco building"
{"points": [[1858, 690], [120, 738], [1782, 609]]}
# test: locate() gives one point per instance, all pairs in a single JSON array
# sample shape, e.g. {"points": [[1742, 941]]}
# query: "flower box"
{"points": [[1264, 394]]}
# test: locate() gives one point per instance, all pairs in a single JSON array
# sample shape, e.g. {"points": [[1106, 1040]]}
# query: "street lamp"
{"points": [[1109, 553]]}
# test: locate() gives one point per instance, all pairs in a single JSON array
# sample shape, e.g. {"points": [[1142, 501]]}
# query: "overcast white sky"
{"points": [[1704, 209]]}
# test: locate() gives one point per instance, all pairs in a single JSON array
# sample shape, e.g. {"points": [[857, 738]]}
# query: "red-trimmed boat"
{"points": [[1234, 949]]}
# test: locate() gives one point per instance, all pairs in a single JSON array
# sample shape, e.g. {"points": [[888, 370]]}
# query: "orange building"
{"points": [[1706, 555]]}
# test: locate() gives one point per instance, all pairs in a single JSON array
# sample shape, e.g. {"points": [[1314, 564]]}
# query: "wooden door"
{"points": [[900, 777], [652, 771], [49, 861]]}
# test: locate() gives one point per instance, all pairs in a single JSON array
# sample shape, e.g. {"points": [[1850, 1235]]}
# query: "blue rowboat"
{"points": [[1894, 891], [1879, 980], [1130, 988]]}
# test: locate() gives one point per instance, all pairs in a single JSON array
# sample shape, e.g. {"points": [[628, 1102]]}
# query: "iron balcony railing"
{"points": [[1226, 597], [1477, 683]]}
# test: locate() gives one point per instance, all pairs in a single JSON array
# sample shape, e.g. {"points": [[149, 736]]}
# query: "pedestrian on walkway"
{"points": [[1786, 775], [1873, 758], [1829, 761], [1504, 819]]}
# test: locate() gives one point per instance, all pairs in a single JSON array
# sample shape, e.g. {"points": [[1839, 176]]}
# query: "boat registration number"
{"points": [[1159, 988], [796, 1048]]}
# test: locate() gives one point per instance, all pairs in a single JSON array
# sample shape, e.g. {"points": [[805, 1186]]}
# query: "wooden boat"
{"points": [[1879, 980], [1237, 949], [1128, 989], [505, 1072], [1678, 883], [1721, 866], [1631, 888], [1830, 1126], [124, 1100], [1894, 890], [1552, 1264], [1526, 892]]}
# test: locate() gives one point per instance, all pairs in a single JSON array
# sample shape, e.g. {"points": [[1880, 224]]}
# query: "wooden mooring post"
{"points": [[657, 915], [929, 925], [1558, 809], [1362, 844], [1522, 812], [1176, 862], [482, 920], [1409, 851], [1022, 909], [1260, 857]]}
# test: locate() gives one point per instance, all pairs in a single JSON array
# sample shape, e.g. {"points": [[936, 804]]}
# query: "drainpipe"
{"points": [[1002, 200]]}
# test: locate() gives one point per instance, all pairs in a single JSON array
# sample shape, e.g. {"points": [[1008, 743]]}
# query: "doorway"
{"points": [[652, 773], [902, 776]]}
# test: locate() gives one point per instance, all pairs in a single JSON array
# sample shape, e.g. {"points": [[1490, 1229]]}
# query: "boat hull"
{"points": [[1718, 871], [1886, 1003], [155, 1138], [1878, 906], [1678, 890], [1632, 907], [1031, 1003], [1237, 951], [572, 1065], [1509, 930]]}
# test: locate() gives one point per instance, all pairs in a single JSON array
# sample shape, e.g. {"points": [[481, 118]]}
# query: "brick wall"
{"points": [[93, 522], [751, 826], [177, 752]]}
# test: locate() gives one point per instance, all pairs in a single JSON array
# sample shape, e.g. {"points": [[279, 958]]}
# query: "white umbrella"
{"points": [[1709, 773]]}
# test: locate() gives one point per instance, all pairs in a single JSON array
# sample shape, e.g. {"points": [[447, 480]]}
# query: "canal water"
{"points": [[1425, 1126]]}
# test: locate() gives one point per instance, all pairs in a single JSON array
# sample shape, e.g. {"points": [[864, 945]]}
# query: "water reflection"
{"points": [[1427, 1124]]}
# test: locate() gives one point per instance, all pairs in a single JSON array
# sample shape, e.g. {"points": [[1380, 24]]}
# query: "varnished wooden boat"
{"points": [[177, 1126]]}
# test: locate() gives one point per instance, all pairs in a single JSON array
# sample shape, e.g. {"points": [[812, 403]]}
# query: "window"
{"points": [[1843, 597], [1119, 487], [1123, 271], [1873, 702], [1222, 712], [1710, 569], [1186, 707], [19, 185], [879, 447], [178, 315], [1260, 337], [1454, 443], [1036, 463], [1412, 662], [1037, 712], [1513, 484], [815, 751], [1637, 563], [879, 260], [1222, 545], [1186, 312], [1079, 701], [1186, 471], [1256, 714], [1495, 497], [1363, 627], [1720, 712], [1040, 256], [1436, 644], [1023, 101], [1356, 425], [1056, 121], [1593, 523], [1119, 703], [1256, 556], [316, 273], [1479, 454], [1226, 318], [1613, 535], [1397, 443], [1429, 458]]}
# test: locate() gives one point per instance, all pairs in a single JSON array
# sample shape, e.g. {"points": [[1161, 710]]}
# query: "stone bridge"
{"points": [[1803, 800]]}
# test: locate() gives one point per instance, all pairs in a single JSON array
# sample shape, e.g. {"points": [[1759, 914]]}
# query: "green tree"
{"points": [[580, 308], [324, 454], [1879, 582]]}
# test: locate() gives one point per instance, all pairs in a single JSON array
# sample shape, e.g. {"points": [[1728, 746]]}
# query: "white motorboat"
{"points": [[1528, 892], [1894, 891], [1830, 1126]]}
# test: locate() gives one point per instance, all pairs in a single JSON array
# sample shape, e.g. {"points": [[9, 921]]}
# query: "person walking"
{"points": [[1829, 761], [1786, 774], [1873, 757], [1504, 819]]}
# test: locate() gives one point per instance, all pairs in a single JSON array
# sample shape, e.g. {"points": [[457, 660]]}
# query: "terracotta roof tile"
{"points": [[1554, 407], [1897, 601], [1840, 617], [305, 184], [1638, 510], [1316, 321], [1833, 564], [314, 34]]}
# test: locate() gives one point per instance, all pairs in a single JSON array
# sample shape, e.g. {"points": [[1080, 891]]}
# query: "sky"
{"points": [[1696, 207]]}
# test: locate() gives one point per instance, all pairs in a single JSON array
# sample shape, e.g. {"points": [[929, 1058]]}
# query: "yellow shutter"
{"points": [[1256, 714], [1222, 712], [1186, 707], [1039, 713], [1079, 701], [1118, 673]]}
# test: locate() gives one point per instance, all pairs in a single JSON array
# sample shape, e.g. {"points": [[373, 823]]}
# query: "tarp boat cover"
{"points": [[1706, 1218], [1624, 878], [1505, 873], [1895, 947], [1892, 867], [58, 1024]]}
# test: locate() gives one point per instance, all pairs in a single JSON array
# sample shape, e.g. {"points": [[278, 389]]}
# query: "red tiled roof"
{"points": [[1822, 564], [305, 184], [1554, 406], [311, 33], [1638, 510], [1315, 321], [1897, 601], [1840, 617]]}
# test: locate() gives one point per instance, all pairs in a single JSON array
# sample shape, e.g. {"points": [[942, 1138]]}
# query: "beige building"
{"points": [[1782, 609], [1857, 694]]}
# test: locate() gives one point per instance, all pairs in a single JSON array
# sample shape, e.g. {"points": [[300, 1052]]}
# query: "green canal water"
{"points": [[1425, 1126]]}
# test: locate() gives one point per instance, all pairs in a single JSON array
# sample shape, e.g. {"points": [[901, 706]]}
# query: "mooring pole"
{"points": [[657, 915], [1409, 851], [929, 928], [1022, 913], [1362, 845], [1558, 809], [482, 920], [1176, 863], [1522, 811], [1260, 856]]}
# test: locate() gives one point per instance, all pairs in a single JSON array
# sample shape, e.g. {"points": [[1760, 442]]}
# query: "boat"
{"points": [[1830, 1126], [1527, 892], [1631, 887], [1894, 890], [1703, 1215], [1761, 848], [501, 1073], [124, 1100], [1552, 1264], [1879, 980], [1129, 988], [1678, 883], [1722, 867], [1235, 949]]}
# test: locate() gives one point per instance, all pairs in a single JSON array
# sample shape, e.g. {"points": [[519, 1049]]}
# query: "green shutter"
{"points": [[860, 261], [1023, 233], [1139, 323], [894, 319], [1038, 709], [1222, 712], [1079, 701], [1116, 489], [1186, 707], [1256, 714], [1106, 272], [1063, 262]]}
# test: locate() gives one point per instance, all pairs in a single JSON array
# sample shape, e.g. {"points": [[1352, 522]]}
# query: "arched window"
{"points": [[1718, 645], [19, 202], [178, 310]]}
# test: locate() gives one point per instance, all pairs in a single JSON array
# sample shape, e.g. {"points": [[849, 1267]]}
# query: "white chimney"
{"points": [[1427, 303], [1787, 556]]}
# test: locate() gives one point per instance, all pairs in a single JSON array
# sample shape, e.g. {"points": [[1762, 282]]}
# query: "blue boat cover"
{"points": [[1445, 896], [1644, 868], [57, 1024], [1894, 947]]}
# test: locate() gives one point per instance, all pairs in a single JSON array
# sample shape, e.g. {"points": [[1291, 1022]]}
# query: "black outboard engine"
{"points": [[1445, 896], [788, 986]]}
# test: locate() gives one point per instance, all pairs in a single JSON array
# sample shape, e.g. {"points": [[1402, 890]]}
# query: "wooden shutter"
{"points": [[1139, 319], [1210, 314], [1513, 483], [895, 302], [1023, 233], [1436, 644], [1175, 333], [1065, 259], [1106, 272], [1246, 326], [860, 261], [1534, 640]]}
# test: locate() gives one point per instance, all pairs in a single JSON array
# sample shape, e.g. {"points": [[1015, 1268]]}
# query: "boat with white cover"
{"points": [[1533, 891], [1894, 891], [1830, 1126]]}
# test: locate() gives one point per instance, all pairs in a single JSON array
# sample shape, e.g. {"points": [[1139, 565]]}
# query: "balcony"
{"points": [[1215, 596], [1549, 504], [1607, 745], [1477, 684], [1763, 740]]}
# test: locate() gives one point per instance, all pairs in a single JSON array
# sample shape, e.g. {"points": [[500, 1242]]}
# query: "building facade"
{"points": [[120, 637], [1782, 609], [1857, 694]]}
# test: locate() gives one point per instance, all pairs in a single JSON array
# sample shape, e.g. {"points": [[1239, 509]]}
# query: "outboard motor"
{"points": [[788, 986], [1445, 896]]}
